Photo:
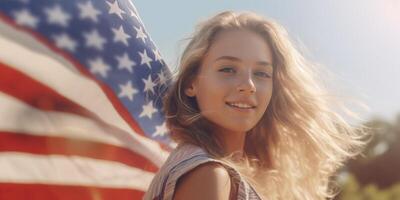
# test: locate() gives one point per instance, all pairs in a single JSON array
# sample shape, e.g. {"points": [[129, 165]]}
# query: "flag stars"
{"points": [[94, 39], [127, 91], [115, 9], [162, 78], [148, 84], [98, 66], [160, 130], [133, 14], [133, 9], [88, 11], [145, 59], [140, 34], [120, 35], [75, 28], [124, 62], [25, 18], [57, 16], [63, 41], [148, 110], [157, 55]]}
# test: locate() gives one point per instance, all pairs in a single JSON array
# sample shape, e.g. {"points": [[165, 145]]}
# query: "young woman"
{"points": [[250, 118]]}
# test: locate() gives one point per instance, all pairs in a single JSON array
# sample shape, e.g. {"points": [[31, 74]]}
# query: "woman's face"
{"points": [[234, 84]]}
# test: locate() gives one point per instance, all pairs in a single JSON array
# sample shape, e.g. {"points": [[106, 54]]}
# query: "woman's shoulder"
{"points": [[210, 180], [183, 155], [186, 150], [184, 158], [188, 167]]}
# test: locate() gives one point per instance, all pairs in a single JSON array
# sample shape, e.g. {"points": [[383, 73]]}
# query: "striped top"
{"points": [[183, 159]]}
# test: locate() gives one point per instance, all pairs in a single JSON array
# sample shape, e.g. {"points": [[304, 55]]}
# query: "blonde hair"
{"points": [[299, 142]]}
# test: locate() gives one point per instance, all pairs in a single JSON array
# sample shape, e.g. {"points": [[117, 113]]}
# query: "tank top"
{"points": [[181, 160]]}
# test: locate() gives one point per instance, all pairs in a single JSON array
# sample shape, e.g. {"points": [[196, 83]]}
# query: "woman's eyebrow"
{"points": [[265, 64], [232, 58]]}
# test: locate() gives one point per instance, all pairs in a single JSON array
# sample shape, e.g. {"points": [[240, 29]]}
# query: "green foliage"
{"points": [[384, 133], [379, 164], [351, 190]]}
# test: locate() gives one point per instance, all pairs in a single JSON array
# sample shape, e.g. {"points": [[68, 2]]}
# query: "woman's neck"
{"points": [[233, 143]]}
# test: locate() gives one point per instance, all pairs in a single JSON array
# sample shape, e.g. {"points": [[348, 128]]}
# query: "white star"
{"points": [[162, 78], [57, 16], [148, 110], [157, 55], [115, 9], [148, 84], [94, 39], [133, 14], [25, 18], [88, 11], [161, 130], [125, 63], [145, 59], [97, 66], [127, 91], [140, 34], [63, 41], [120, 35]]}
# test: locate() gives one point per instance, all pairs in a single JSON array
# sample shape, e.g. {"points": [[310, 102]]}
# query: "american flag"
{"points": [[81, 84]]}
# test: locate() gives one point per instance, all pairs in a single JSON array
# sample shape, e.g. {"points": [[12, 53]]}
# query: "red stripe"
{"points": [[45, 145], [36, 94], [124, 113], [60, 192]]}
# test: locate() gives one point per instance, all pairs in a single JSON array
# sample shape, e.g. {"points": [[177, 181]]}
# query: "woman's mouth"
{"points": [[240, 106]]}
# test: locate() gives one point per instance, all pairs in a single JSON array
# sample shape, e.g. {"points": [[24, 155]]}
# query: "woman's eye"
{"points": [[227, 69], [263, 74]]}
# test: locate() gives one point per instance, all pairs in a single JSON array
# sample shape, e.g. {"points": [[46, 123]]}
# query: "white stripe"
{"points": [[16, 116], [28, 42], [49, 71], [40, 63], [73, 170]]}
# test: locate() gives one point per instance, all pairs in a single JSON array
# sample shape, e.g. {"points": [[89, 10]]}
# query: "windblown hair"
{"points": [[300, 141]]}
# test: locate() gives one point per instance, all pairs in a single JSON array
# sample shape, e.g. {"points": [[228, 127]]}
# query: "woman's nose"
{"points": [[246, 83]]}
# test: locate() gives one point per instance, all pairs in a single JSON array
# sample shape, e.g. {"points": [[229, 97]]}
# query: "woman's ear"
{"points": [[190, 91]]}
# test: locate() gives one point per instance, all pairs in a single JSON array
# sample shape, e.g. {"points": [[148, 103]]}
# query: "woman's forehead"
{"points": [[240, 45]]}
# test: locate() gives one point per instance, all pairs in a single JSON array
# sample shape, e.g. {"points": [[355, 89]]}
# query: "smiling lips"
{"points": [[240, 105]]}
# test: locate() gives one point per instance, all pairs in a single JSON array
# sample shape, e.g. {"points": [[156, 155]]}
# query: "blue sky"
{"points": [[358, 41]]}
